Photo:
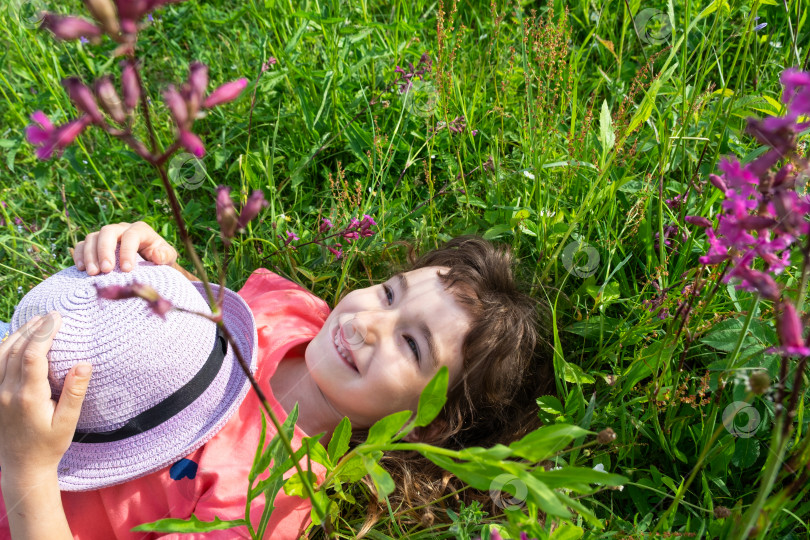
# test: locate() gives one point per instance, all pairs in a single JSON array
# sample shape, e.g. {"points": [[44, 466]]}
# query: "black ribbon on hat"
{"points": [[169, 407]]}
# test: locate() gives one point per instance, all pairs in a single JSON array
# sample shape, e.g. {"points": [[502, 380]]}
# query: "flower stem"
{"points": [[212, 302]]}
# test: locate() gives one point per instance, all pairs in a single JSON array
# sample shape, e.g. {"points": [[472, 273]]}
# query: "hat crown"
{"points": [[138, 358]]}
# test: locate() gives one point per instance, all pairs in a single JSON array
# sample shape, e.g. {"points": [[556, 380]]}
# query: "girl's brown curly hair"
{"points": [[507, 361]]}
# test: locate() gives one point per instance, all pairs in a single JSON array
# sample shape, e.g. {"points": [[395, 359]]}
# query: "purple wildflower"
{"points": [[325, 225], [159, 305], [405, 78], [338, 253], [252, 207]]}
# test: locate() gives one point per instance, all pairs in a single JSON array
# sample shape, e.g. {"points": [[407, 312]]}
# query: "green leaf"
{"points": [[295, 484], [383, 481], [353, 470], [567, 531], [576, 478], [497, 231], [574, 374], [433, 398], [193, 524], [339, 444], [746, 452], [384, 429], [546, 441], [606, 135]]}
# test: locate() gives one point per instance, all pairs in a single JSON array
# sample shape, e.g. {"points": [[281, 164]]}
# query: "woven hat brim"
{"points": [[86, 467]]}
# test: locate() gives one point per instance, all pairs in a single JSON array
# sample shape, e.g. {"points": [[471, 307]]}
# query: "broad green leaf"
{"points": [[353, 470], [433, 398], [575, 477], [479, 475], [543, 496], [384, 429], [496, 453], [546, 441], [295, 484], [193, 524], [574, 374], [606, 134], [567, 531], [383, 481], [496, 231], [339, 444]]}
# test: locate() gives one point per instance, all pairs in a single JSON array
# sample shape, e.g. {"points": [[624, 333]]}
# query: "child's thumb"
{"points": [[70, 402]]}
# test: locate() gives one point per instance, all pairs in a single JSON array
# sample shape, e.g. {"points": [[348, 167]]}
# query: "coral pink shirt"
{"points": [[213, 481]]}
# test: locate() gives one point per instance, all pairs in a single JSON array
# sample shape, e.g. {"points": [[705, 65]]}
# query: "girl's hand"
{"points": [[35, 431], [97, 251]]}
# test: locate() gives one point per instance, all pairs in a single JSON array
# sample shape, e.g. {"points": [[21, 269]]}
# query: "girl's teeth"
{"points": [[341, 350]]}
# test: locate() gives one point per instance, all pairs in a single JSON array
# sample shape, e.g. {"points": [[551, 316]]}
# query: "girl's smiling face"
{"points": [[381, 345]]}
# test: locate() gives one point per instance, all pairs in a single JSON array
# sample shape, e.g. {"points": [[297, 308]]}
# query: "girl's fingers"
{"points": [[78, 255], [90, 260], [134, 240], [33, 361], [10, 349], [106, 241]]}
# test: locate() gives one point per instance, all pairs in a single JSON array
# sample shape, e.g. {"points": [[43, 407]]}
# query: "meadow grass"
{"points": [[581, 121]]}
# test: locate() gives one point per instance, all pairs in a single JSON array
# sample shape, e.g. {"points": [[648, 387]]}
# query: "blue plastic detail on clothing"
{"points": [[5, 328], [185, 468]]}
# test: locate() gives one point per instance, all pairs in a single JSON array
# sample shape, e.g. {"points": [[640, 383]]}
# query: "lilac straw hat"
{"points": [[160, 389]]}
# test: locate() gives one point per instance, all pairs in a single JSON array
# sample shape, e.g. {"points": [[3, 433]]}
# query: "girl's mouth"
{"points": [[344, 352]]}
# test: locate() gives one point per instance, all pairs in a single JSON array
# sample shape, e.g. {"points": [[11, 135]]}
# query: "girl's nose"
{"points": [[356, 332]]}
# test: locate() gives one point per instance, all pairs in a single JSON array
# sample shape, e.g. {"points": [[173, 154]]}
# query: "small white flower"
{"points": [[776, 44], [599, 467], [528, 175], [19, 290], [547, 213]]}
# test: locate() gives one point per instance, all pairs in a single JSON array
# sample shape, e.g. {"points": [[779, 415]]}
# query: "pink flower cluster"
{"points": [[763, 212], [159, 305], [118, 19], [226, 212], [405, 78], [185, 103], [357, 228]]}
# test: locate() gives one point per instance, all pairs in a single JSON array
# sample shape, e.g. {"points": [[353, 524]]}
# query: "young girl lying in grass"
{"points": [[372, 355]]}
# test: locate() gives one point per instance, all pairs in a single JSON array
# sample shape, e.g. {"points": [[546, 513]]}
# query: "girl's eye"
{"points": [[414, 347], [389, 294]]}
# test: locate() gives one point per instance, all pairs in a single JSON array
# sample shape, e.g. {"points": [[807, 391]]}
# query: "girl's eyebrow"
{"points": [[423, 327]]}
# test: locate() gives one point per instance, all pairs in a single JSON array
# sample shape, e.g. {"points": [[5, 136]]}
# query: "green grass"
{"points": [[327, 140]]}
